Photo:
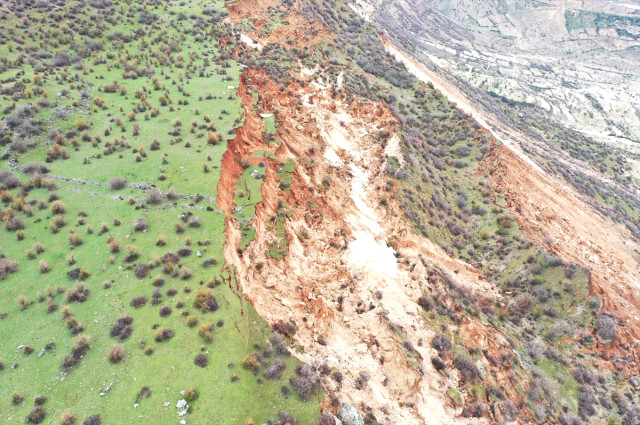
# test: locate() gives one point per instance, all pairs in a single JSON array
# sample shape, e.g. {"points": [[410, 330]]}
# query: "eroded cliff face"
{"points": [[354, 271]]}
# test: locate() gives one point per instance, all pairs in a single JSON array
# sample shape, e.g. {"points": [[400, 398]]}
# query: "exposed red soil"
{"points": [[294, 26], [305, 285], [553, 217]]}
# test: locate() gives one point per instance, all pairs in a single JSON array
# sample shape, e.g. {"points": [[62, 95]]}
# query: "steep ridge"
{"points": [[555, 216]]}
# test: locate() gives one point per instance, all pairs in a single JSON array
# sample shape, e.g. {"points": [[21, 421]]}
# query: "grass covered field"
{"points": [[115, 119]]}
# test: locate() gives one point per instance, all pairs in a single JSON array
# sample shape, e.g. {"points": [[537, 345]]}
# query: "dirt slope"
{"points": [[354, 269], [555, 217]]}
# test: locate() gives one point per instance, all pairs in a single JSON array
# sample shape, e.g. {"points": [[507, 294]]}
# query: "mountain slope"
{"points": [[252, 212]]}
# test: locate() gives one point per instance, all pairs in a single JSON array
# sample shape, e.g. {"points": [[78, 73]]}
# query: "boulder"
{"points": [[350, 415]]}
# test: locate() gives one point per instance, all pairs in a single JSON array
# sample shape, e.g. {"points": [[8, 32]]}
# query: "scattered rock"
{"points": [[350, 415], [181, 404]]}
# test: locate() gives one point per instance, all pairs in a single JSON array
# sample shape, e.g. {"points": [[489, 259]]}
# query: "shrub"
{"points": [[284, 419], [201, 360], [191, 394], [104, 228], [156, 297], [306, 381], [186, 274], [115, 353], [192, 321], [142, 270], [606, 327], [14, 223], [8, 180], [16, 399], [363, 378], [138, 301], [58, 223], [78, 293], [78, 273], [205, 332], [326, 418], [93, 420], [250, 362], [61, 58], [154, 196], [165, 311], [57, 207], [132, 254], [114, 246], [7, 267], [44, 267], [205, 301], [80, 347], [140, 224], [275, 369], [209, 261], [117, 183], [75, 239], [23, 301], [475, 410], [67, 419], [121, 328], [36, 415], [286, 391], [426, 303], [286, 329], [280, 345], [145, 392], [164, 334], [212, 138], [442, 344], [438, 364], [467, 368], [82, 343]]}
